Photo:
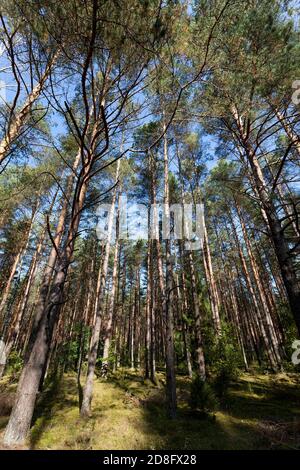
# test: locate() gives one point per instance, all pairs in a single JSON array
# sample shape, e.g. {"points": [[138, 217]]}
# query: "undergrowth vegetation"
{"points": [[261, 412]]}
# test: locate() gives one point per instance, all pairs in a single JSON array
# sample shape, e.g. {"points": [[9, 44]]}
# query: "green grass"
{"points": [[261, 412]]}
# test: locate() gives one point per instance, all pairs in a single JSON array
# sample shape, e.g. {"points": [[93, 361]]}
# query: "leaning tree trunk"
{"points": [[20, 419], [28, 386], [281, 248], [284, 194], [9, 281], [260, 289], [16, 263], [12, 337], [18, 122], [259, 315], [52, 258], [288, 129]]}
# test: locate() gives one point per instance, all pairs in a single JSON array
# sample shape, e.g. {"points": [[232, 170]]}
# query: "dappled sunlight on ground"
{"points": [[129, 413]]}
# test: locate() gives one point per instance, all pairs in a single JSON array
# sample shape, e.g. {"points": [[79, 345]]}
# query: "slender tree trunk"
{"points": [[260, 288], [6, 291], [168, 297], [21, 310], [17, 261], [108, 329], [289, 131], [262, 328], [213, 291], [281, 247], [237, 323], [21, 415], [131, 326], [182, 307], [52, 258], [93, 351], [18, 121], [199, 353], [148, 306], [20, 419]]}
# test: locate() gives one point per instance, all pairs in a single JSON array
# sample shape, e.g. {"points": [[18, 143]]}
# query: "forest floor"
{"points": [[261, 412]]}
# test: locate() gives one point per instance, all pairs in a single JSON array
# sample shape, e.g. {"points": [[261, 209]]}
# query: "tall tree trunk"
{"points": [[14, 331], [108, 329], [213, 291], [168, 296], [51, 299], [17, 261], [21, 415], [259, 317], [148, 305], [199, 353], [93, 351], [260, 288], [9, 281], [281, 247], [182, 308], [52, 258]]}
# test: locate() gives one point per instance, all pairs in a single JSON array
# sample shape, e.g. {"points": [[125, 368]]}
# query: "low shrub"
{"points": [[202, 395]]}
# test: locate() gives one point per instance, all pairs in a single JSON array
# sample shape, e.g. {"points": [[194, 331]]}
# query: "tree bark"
{"points": [[108, 329], [93, 351]]}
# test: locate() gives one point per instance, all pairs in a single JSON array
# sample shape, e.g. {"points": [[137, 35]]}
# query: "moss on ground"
{"points": [[260, 412]]}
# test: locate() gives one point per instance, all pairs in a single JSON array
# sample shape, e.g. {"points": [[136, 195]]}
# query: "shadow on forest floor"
{"points": [[261, 412]]}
